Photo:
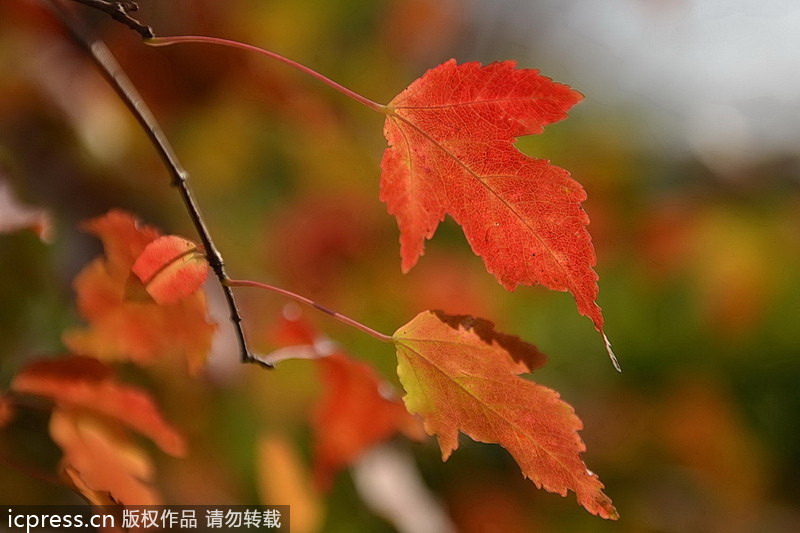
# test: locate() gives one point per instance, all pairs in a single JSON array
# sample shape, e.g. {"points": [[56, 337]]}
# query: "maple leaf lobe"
{"points": [[451, 150]]}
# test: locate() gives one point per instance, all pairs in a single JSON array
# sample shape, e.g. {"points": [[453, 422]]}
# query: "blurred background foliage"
{"points": [[695, 217]]}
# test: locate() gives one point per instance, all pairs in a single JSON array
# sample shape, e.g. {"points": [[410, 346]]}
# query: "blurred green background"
{"points": [[687, 144]]}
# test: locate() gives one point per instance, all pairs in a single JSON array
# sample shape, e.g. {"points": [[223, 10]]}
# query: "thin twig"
{"points": [[119, 12], [289, 294], [128, 93]]}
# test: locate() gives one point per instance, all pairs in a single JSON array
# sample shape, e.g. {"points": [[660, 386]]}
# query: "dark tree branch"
{"points": [[128, 93], [119, 12]]}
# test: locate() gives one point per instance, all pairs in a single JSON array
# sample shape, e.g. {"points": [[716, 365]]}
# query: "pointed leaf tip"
{"points": [[611, 354]]}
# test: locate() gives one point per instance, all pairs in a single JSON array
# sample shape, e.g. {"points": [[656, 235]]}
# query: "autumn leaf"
{"points": [[353, 415], [87, 384], [292, 328], [101, 464], [171, 268], [89, 422], [125, 323], [451, 151], [461, 375]]}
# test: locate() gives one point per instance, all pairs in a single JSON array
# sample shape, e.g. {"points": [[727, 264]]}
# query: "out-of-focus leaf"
{"points": [[482, 504], [423, 30], [353, 415], [700, 426], [124, 322], [314, 240], [283, 477], [736, 264], [356, 410], [99, 460], [86, 383], [6, 411]]}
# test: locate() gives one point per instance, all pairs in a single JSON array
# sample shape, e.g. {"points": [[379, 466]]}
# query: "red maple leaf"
{"points": [[451, 150]]}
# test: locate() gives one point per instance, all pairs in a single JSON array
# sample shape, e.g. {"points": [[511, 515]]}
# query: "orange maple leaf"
{"points": [[125, 323], [83, 383], [282, 475], [461, 375], [451, 150], [100, 463]]}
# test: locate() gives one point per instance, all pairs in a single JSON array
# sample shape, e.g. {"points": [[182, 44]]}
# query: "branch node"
{"points": [[179, 178], [258, 362], [119, 12]]}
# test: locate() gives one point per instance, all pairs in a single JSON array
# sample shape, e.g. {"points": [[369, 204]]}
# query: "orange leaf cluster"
{"points": [[105, 467], [85, 383], [283, 476], [90, 422], [158, 315], [125, 323]]}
